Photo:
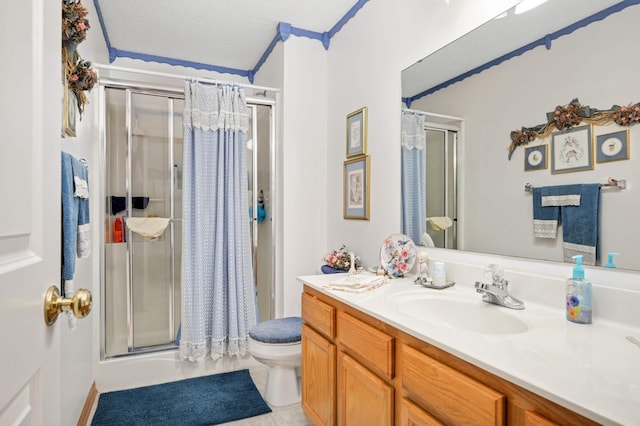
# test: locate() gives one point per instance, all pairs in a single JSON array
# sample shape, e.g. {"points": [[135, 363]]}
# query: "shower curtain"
{"points": [[218, 306], [414, 209]]}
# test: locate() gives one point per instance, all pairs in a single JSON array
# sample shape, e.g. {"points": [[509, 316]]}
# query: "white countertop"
{"points": [[591, 369]]}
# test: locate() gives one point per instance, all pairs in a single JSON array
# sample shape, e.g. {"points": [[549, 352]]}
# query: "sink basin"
{"points": [[459, 313]]}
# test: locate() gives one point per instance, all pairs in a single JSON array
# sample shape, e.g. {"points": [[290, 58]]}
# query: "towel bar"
{"points": [[619, 183]]}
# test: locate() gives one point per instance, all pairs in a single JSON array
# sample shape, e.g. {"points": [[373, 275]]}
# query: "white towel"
{"points": [[69, 292], [357, 283], [148, 227], [440, 223]]}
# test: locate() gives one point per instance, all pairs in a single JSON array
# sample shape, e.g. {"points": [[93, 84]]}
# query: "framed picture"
{"points": [[69, 112], [356, 188], [612, 146], [535, 158], [357, 133], [572, 150]]}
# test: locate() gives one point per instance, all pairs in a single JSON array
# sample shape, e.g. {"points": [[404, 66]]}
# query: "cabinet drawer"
{"points": [[319, 315], [372, 347], [454, 395]]}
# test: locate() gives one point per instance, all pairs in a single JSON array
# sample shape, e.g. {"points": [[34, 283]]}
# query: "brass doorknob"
{"points": [[54, 303]]}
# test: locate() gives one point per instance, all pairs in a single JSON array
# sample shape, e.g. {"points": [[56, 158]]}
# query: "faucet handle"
{"points": [[494, 273]]}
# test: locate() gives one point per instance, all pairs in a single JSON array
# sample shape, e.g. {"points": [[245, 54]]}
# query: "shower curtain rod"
{"points": [[182, 77]]}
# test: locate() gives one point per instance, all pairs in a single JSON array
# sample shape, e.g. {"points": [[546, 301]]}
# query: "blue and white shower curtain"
{"points": [[414, 207], [218, 306]]}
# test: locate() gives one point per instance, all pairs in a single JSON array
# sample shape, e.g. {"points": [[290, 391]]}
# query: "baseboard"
{"points": [[88, 405]]}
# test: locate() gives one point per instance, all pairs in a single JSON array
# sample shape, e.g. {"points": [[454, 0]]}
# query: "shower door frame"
{"points": [[451, 137], [171, 93]]}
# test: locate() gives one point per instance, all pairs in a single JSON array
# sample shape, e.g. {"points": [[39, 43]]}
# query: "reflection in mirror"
{"points": [[429, 170], [591, 63]]}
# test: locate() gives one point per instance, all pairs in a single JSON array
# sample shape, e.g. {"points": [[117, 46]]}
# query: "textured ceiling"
{"points": [[224, 33]]}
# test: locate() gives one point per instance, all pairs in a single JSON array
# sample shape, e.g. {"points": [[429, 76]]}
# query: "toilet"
{"points": [[277, 343]]}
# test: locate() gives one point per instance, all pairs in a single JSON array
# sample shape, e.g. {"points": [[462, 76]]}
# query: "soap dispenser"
{"points": [[578, 291], [610, 263]]}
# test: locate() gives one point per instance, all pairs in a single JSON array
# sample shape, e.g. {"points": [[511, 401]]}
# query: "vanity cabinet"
{"points": [[359, 370], [337, 389], [318, 361]]}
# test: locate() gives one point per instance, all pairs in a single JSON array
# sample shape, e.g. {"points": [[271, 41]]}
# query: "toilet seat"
{"points": [[277, 331]]}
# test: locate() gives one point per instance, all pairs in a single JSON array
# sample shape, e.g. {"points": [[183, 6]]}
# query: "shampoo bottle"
{"points": [[578, 291], [117, 230]]}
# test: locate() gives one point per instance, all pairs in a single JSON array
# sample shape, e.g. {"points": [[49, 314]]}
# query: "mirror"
{"points": [[591, 62]]}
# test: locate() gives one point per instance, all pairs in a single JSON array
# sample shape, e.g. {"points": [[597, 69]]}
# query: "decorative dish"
{"points": [[398, 254]]}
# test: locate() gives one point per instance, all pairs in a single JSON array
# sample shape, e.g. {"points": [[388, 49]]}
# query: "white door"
{"points": [[30, 93]]}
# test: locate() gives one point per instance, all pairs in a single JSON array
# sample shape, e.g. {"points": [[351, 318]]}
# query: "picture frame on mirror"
{"points": [[356, 188], [536, 158], [357, 133], [69, 112], [572, 150], [612, 146]]}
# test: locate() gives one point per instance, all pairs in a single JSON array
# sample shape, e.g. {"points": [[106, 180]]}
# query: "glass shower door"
{"points": [[154, 164], [143, 180]]}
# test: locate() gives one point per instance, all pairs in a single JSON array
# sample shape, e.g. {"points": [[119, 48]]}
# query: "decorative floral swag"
{"points": [[78, 72], [572, 114]]}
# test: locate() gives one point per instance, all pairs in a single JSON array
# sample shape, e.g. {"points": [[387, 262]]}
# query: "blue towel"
{"points": [[75, 215], [581, 226], [577, 207]]}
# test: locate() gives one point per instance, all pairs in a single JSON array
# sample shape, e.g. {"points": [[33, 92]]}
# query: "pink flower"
{"points": [[405, 253], [401, 266]]}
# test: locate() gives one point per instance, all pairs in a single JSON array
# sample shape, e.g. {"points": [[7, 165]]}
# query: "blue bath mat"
{"points": [[208, 400]]}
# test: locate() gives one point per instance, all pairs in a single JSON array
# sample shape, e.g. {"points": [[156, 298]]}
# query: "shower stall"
{"points": [[141, 177]]}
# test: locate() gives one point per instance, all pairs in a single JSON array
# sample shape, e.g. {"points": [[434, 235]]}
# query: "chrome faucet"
{"points": [[497, 292]]}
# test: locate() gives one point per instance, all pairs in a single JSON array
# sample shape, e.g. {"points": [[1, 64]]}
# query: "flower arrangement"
{"points": [[565, 117], [626, 115], [74, 21], [81, 78], [341, 259]]}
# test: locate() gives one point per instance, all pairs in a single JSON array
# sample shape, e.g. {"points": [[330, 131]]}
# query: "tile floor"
{"points": [[290, 415]]}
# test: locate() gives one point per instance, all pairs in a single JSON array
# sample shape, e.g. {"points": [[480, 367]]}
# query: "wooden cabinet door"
{"points": [[363, 398], [318, 377], [534, 419], [413, 415]]}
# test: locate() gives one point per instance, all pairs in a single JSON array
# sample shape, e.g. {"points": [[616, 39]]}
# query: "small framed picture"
{"points": [[69, 112], [612, 146], [356, 188], [572, 150], [357, 133], [535, 158]]}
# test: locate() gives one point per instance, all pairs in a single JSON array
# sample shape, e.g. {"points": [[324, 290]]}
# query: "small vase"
{"points": [[326, 269]]}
